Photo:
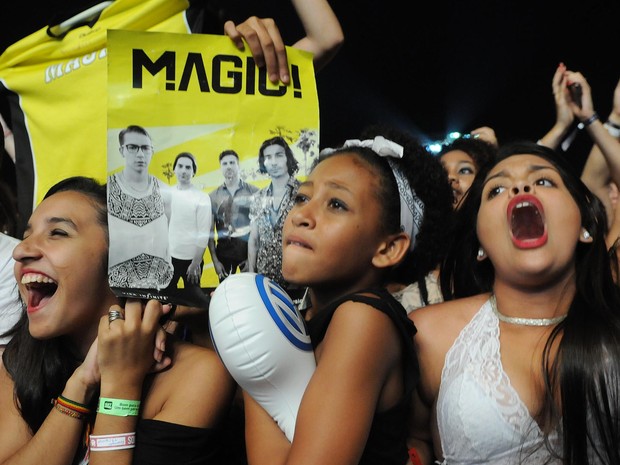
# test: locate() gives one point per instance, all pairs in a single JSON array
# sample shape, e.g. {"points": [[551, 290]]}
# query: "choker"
{"points": [[514, 320]]}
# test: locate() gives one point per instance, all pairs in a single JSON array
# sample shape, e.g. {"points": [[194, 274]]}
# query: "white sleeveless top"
{"points": [[480, 417]]}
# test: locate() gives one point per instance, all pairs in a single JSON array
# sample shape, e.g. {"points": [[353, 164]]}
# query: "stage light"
{"points": [[434, 148]]}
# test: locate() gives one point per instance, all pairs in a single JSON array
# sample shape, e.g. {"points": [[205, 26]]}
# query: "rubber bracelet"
{"points": [[118, 407], [106, 442], [589, 121]]}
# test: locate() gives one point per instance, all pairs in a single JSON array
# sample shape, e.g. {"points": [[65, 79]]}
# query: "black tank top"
{"points": [[387, 440]]}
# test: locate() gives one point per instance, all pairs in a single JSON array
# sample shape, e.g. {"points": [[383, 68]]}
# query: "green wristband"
{"points": [[118, 407]]}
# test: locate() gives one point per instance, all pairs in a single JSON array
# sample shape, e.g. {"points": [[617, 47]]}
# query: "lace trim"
{"points": [[476, 354]]}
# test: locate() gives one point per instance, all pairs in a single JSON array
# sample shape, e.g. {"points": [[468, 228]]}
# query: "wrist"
{"points": [[588, 121], [131, 391], [79, 390], [614, 118], [612, 128]]}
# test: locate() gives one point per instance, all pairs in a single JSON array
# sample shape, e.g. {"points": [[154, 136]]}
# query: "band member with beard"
{"points": [[270, 207], [230, 204]]}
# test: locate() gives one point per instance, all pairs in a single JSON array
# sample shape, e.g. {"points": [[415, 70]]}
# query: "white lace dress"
{"points": [[480, 417]]}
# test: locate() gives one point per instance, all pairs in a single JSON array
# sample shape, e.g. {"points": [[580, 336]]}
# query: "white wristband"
{"points": [[612, 130], [112, 442]]}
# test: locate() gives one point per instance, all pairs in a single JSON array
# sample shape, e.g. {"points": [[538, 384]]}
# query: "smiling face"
{"points": [[275, 161], [528, 222], [461, 171], [61, 268], [333, 230]]}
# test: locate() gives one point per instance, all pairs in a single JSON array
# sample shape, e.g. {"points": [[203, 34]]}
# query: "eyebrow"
{"points": [[67, 221], [532, 169], [330, 184], [54, 220]]}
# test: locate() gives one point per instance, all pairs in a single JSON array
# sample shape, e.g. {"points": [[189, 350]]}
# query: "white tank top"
{"points": [[480, 417]]}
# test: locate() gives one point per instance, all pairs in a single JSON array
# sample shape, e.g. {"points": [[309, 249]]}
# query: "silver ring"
{"points": [[115, 315]]}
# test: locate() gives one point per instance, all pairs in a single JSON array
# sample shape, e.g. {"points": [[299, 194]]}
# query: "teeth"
{"points": [[29, 278], [524, 204]]}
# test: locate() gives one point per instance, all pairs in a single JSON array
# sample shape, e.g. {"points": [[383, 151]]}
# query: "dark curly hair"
{"points": [[481, 152], [430, 183]]}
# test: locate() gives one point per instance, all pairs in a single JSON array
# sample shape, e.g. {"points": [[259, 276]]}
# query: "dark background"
{"points": [[430, 67]]}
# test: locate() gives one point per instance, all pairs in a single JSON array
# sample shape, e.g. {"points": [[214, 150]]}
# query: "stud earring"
{"points": [[480, 253], [586, 235]]}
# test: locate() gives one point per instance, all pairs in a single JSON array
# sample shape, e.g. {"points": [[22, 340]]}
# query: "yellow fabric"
{"points": [[62, 89]]}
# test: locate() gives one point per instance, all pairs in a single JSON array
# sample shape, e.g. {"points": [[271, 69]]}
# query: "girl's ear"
{"points": [[391, 251]]}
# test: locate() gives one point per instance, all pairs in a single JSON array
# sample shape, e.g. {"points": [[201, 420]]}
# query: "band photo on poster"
{"points": [[203, 163]]}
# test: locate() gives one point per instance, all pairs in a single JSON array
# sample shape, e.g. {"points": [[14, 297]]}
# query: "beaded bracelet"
{"points": [[106, 442], [119, 407]]}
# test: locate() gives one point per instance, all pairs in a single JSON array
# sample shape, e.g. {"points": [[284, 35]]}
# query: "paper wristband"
{"points": [[106, 442], [118, 407]]}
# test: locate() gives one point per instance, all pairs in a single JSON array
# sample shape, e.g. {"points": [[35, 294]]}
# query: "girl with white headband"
{"points": [[356, 220]]}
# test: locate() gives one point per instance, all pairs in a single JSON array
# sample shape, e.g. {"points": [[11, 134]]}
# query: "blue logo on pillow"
{"points": [[283, 312]]}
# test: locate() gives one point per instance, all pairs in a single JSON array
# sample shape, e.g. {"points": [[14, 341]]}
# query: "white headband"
{"points": [[411, 207]]}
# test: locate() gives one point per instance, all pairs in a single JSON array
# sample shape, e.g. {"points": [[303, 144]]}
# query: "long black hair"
{"points": [[586, 369], [40, 368]]}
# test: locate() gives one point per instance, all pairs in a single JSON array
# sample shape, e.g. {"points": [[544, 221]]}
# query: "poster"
{"points": [[187, 115]]}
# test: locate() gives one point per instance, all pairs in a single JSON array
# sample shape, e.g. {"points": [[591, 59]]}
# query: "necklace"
{"points": [[514, 320]]}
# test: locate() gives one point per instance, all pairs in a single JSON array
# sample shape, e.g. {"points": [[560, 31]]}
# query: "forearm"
{"points": [[112, 426], [324, 35], [554, 137], [55, 442], [211, 247], [609, 147]]}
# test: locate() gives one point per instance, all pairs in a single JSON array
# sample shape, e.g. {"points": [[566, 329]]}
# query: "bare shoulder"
{"points": [[360, 319], [198, 365], [446, 318], [195, 391], [364, 325], [14, 431], [438, 327]]}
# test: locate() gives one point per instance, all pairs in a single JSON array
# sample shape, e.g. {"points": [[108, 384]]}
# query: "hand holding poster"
{"points": [[187, 115]]}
